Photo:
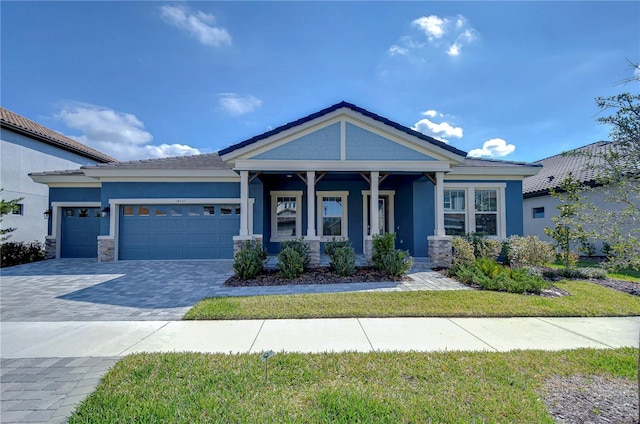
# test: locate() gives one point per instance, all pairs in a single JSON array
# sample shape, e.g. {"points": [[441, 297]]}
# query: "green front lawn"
{"points": [[587, 299], [341, 387]]}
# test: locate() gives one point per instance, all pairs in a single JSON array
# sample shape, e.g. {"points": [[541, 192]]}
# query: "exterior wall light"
{"points": [[105, 211], [46, 214]]}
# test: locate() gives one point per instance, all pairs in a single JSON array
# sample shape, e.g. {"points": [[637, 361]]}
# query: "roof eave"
{"points": [[40, 137]]}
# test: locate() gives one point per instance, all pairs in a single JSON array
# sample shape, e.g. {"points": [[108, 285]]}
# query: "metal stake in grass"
{"points": [[264, 356]]}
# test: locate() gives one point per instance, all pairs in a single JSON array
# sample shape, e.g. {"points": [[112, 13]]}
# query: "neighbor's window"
{"points": [[538, 213], [332, 214], [17, 209], [486, 211], [286, 214], [455, 216]]}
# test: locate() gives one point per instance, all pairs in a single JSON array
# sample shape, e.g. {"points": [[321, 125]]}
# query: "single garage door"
{"points": [[80, 229], [178, 231]]}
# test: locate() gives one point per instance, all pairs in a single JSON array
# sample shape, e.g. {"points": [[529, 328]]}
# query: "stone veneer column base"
{"points": [[440, 252], [368, 249], [106, 249], [239, 241], [50, 247], [314, 250]]}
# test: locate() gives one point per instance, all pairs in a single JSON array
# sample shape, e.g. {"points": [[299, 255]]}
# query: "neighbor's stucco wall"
{"points": [[20, 155], [536, 226]]}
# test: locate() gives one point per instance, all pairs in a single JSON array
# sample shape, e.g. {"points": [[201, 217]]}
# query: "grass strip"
{"points": [[586, 300], [454, 387]]}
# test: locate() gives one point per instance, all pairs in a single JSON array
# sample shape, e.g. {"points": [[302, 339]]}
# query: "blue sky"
{"points": [[513, 81]]}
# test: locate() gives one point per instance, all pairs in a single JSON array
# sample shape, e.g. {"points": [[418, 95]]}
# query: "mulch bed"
{"points": [[591, 399], [311, 276]]}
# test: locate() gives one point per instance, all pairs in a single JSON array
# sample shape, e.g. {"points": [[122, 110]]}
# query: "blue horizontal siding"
{"points": [[365, 145], [323, 144]]}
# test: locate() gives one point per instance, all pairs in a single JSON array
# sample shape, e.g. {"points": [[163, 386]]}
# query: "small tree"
{"points": [[617, 164], [567, 225], [7, 207]]}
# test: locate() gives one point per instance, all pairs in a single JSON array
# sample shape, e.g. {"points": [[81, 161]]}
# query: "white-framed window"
{"points": [[286, 215], [455, 212], [475, 208], [332, 214]]}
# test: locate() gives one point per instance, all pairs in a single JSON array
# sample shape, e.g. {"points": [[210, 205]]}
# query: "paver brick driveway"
{"points": [[83, 289]]}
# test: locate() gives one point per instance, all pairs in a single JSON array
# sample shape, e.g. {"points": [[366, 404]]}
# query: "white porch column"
{"points": [[311, 203], [373, 207], [244, 203], [439, 230]]}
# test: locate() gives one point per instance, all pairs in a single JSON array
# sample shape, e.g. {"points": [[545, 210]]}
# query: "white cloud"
{"points": [[198, 25], [494, 148], [432, 113], [433, 26], [443, 130], [449, 34], [236, 105], [394, 50], [636, 72], [121, 135]]}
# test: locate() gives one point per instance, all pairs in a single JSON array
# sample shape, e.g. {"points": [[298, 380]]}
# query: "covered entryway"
{"points": [[80, 227], [189, 231]]}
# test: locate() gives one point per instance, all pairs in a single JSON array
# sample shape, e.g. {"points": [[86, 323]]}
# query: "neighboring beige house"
{"points": [[540, 206], [26, 146]]}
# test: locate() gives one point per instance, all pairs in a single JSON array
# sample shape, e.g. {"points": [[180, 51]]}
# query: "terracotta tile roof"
{"points": [[204, 161], [14, 122], [556, 168]]}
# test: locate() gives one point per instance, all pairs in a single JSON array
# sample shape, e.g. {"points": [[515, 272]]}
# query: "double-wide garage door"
{"points": [[178, 231]]}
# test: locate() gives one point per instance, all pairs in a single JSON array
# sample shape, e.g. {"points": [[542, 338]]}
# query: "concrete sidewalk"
{"points": [[48, 368], [118, 338]]}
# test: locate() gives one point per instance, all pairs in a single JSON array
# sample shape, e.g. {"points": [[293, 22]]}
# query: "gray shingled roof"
{"points": [[14, 122], [203, 161], [483, 162], [556, 168]]}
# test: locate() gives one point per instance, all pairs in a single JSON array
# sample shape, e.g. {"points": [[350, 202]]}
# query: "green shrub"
{"points": [[595, 273], [333, 244], [290, 262], [382, 244], [490, 275], [483, 246], [396, 263], [248, 262], [528, 251], [462, 252], [16, 253], [299, 246], [343, 260]]}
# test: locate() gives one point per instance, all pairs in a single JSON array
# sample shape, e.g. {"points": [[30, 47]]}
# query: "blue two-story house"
{"points": [[342, 172]]}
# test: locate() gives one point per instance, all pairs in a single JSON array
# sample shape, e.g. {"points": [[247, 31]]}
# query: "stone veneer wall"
{"points": [[440, 252], [368, 249], [106, 250], [49, 247], [238, 242], [314, 250]]}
